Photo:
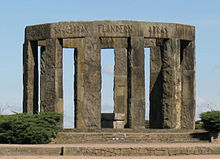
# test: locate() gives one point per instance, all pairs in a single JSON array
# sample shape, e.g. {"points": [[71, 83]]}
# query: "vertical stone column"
{"points": [[30, 77], [88, 79], [171, 98], [188, 84], [156, 89], [136, 84], [52, 76], [43, 84], [120, 82]]}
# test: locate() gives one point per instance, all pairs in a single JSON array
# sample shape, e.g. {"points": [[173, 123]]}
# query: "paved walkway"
{"points": [[115, 146], [90, 157]]}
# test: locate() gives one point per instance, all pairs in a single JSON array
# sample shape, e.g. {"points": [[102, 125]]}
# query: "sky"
{"points": [[16, 14]]}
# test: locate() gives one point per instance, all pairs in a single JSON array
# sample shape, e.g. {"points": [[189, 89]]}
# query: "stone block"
{"points": [[188, 55], [119, 116], [149, 42], [120, 67], [113, 42], [120, 80], [215, 137], [188, 114], [118, 124]]}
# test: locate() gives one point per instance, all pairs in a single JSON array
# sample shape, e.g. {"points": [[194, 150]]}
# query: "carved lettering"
{"points": [[115, 28], [70, 29], [158, 30]]}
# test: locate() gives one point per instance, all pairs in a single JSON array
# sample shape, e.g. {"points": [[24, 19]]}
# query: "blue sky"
{"points": [[15, 15]]}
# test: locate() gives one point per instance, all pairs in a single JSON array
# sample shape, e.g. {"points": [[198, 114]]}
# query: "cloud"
{"points": [[200, 101], [108, 69], [11, 108], [217, 67]]}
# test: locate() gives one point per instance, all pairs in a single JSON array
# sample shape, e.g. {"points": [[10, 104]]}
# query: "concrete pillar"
{"points": [[52, 76], [156, 89], [171, 74], [120, 82], [30, 77], [88, 79], [136, 84], [188, 84]]}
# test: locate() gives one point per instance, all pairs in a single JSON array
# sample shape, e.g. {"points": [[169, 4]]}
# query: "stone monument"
{"points": [[172, 71]]}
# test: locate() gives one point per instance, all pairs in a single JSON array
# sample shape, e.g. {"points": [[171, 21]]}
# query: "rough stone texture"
{"points": [[136, 101], [110, 29], [131, 136], [148, 42], [188, 84], [79, 57], [92, 83], [30, 77], [52, 77], [171, 74], [156, 108], [119, 116], [43, 84], [141, 151], [118, 124], [114, 42], [120, 82], [18, 150], [116, 150]]}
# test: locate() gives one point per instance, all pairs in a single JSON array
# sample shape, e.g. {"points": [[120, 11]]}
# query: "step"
{"points": [[68, 137], [151, 149]]}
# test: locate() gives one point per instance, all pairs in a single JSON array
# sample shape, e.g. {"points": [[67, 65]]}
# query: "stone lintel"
{"points": [[149, 42], [109, 29], [114, 42]]}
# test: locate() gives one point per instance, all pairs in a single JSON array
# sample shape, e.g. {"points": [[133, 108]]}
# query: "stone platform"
{"points": [[74, 136], [150, 149]]}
